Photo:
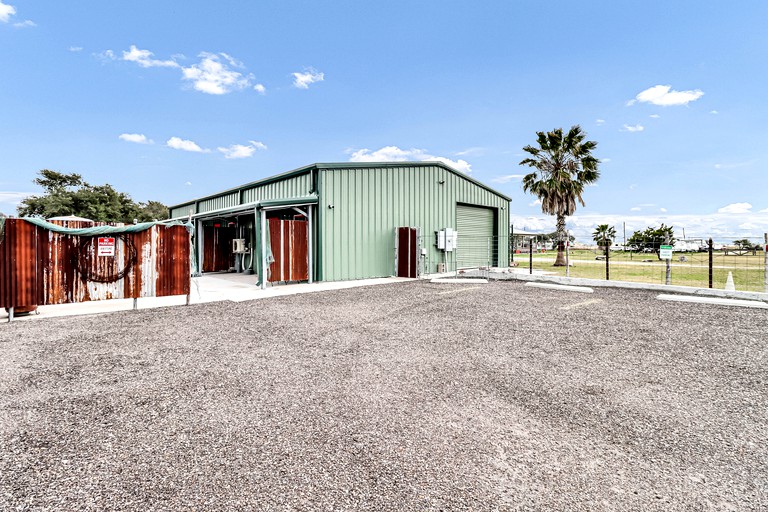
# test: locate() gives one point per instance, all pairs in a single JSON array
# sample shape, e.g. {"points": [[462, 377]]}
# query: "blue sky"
{"points": [[173, 100]]}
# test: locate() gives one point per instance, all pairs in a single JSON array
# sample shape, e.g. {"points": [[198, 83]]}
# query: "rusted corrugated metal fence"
{"points": [[40, 267]]}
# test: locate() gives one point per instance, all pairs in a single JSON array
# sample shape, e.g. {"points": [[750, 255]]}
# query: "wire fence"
{"points": [[463, 254], [737, 264]]}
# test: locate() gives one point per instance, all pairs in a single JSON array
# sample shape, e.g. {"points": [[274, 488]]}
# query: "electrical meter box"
{"points": [[447, 239]]}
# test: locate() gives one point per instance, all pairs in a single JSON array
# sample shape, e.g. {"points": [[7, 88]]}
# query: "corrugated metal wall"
{"points": [[357, 234], [39, 267], [219, 202], [294, 186]]}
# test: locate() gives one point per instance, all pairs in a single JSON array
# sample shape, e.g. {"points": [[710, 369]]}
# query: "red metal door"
{"points": [[407, 248], [217, 248], [289, 243]]}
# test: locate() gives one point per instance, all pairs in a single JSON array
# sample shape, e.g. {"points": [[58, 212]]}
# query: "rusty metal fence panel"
{"points": [[40, 267]]}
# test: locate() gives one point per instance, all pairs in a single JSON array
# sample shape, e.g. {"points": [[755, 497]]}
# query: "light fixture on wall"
{"points": [[441, 182], [331, 207]]}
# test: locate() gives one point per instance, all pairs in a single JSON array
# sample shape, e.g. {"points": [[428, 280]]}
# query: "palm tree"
{"points": [[604, 235], [563, 165]]}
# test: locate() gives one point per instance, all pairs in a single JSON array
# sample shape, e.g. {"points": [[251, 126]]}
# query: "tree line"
{"points": [[69, 194]]}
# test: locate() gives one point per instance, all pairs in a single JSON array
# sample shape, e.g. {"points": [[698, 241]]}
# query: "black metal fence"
{"points": [[724, 263], [738, 264]]}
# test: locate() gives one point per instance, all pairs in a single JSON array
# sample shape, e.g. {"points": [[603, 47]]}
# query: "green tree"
{"points": [[563, 167], [604, 235], [152, 210], [69, 194], [745, 244], [651, 239]]}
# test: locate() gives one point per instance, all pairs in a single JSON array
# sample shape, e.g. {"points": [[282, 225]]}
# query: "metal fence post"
{"points": [[530, 256], [711, 252], [567, 254], [488, 257], [607, 266], [668, 277]]}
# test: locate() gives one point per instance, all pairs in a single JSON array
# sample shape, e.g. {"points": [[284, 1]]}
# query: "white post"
{"points": [[567, 254], [765, 268], [668, 275], [263, 278], [309, 244], [10, 314]]}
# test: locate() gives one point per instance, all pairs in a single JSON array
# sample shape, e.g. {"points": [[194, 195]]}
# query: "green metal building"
{"points": [[351, 213]]}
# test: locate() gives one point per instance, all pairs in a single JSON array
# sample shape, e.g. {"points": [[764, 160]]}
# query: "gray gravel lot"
{"points": [[411, 396]]}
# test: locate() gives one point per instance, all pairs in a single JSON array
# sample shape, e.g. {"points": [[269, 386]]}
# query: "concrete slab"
{"points": [[569, 288], [458, 280], [714, 300], [205, 289]]}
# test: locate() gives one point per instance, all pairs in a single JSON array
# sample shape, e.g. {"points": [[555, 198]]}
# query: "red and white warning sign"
{"points": [[106, 246]]}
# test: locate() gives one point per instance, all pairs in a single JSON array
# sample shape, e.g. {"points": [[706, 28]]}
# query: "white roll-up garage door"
{"points": [[476, 247]]}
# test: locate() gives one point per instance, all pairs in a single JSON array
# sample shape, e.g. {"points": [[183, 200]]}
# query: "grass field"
{"points": [[748, 271]]}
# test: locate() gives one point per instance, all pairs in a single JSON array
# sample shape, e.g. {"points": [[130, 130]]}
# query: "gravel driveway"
{"points": [[411, 396]]}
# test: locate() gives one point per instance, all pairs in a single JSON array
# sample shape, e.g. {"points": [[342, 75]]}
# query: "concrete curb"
{"points": [[566, 287], [458, 280], [597, 283], [715, 300]]}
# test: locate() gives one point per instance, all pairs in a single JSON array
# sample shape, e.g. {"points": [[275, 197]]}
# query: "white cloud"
{"points": [[13, 198], [259, 88], [395, 154], [734, 165], [75, 49], [240, 151], [185, 145], [664, 96], [763, 211], [144, 59], [25, 23], [535, 203], [654, 116], [735, 208], [138, 138], [633, 186], [310, 76], [471, 152], [188, 183], [715, 112], [605, 160], [635, 209], [214, 74], [663, 210], [105, 56], [6, 11], [459, 165], [507, 178], [600, 121], [633, 128]]}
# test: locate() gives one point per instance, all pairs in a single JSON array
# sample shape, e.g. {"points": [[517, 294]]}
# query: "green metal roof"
{"points": [[340, 165], [363, 165]]}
